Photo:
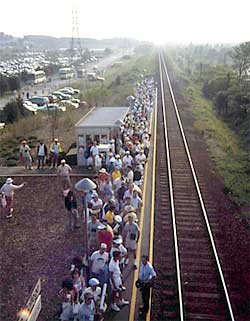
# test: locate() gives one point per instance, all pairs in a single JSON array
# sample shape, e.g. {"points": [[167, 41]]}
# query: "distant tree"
{"points": [[4, 85], [14, 83], [241, 58], [221, 102], [13, 111]]}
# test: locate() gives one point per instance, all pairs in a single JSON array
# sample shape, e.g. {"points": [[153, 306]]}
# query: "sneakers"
{"points": [[115, 307], [123, 288], [9, 216], [123, 302]]}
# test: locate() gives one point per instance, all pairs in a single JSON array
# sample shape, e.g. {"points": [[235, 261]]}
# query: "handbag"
{"points": [[76, 307], [3, 201]]}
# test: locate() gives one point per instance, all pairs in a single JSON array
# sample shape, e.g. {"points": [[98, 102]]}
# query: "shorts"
{"points": [[131, 244], [117, 281], [9, 202]]}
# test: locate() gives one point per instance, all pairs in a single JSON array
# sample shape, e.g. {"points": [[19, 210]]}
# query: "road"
{"points": [[56, 82]]}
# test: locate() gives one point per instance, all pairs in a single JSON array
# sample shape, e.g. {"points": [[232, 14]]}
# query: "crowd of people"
{"points": [[112, 212], [111, 215], [43, 155]]}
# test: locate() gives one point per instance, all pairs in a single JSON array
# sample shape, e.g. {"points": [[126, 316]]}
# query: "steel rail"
{"points": [[171, 191], [199, 194]]}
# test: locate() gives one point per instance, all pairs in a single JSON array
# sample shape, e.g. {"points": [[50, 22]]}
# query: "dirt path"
{"points": [[35, 243]]}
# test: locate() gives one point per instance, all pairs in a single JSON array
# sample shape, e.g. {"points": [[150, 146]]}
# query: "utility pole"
{"points": [[75, 37]]}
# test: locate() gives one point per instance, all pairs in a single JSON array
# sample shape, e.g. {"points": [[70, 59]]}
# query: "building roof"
{"points": [[103, 117]]}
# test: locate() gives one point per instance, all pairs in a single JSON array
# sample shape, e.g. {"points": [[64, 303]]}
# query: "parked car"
{"points": [[61, 95], [75, 91], [39, 100], [30, 106], [51, 107], [69, 104], [67, 91]]}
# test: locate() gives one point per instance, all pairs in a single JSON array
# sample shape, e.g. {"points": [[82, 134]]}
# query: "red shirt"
{"points": [[106, 237]]}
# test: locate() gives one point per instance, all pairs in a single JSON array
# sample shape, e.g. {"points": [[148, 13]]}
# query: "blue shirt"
{"points": [[146, 272]]}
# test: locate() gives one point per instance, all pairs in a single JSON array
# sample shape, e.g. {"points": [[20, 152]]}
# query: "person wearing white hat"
{"points": [[94, 289], [55, 150], [127, 160], [118, 246], [63, 172], [98, 264], [96, 204], [7, 192], [25, 154], [118, 162], [110, 162]]}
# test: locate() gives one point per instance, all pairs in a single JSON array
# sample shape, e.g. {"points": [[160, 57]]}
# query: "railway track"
{"points": [[192, 283]]}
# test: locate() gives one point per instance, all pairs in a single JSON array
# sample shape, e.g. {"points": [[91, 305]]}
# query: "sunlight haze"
{"points": [[158, 21]]}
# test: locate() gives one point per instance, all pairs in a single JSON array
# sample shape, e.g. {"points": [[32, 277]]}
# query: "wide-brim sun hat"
{"points": [[118, 219], [102, 170], [9, 180], [117, 240], [101, 226]]}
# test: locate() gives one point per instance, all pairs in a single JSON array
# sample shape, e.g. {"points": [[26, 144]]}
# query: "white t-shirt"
{"points": [[41, 150], [130, 176], [114, 267], [97, 203], [94, 150], [127, 160], [99, 260], [140, 158]]}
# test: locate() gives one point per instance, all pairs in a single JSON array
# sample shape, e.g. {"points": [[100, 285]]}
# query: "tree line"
{"points": [[223, 74]]}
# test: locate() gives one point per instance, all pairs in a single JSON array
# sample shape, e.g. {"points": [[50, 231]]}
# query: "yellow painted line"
{"points": [[152, 223], [138, 252]]}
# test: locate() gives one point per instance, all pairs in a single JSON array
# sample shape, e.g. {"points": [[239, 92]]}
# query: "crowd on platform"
{"points": [[112, 212]]}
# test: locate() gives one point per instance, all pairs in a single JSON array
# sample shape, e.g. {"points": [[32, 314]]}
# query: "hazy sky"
{"points": [[159, 21]]}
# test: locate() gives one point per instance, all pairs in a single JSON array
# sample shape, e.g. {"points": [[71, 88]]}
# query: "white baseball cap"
{"points": [[103, 246]]}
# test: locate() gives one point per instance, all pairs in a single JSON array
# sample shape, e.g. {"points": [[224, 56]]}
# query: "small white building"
{"points": [[101, 124]]}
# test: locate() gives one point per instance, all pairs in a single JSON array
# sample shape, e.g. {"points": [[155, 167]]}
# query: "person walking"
{"points": [[63, 172], [55, 150], [25, 155], [42, 153], [71, 206], [146, 276], [7, 191]]}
